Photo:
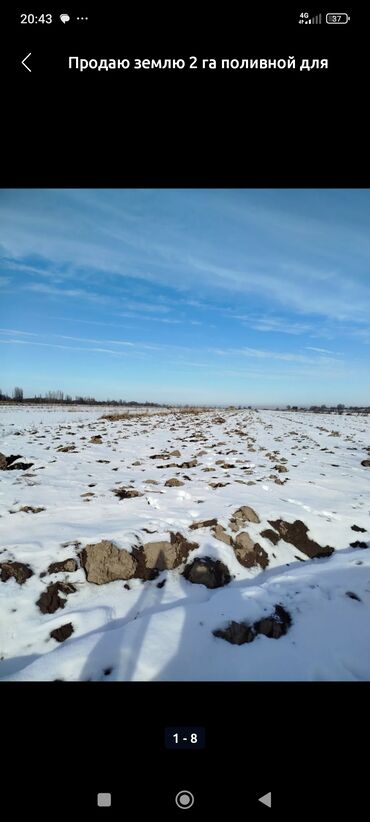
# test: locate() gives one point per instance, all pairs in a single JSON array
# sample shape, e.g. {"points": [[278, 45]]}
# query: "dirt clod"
{"points": [[16, 570], [219, 532], [273, 626], [209, 572], [103, 562], [68, 565], [237, 633], [153, 557], [127, 493], [268, 533], [241, 516], [249, 553], [204, 523], [296, 533], [20, 466], [29, 509], [62, 633], [50, 601]]}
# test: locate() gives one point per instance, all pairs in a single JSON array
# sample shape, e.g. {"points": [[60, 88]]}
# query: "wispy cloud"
{"points": [[275, 324], [294, 287], [20, 333], [64, 347], [89, 340], [26, 268], [66, 337], [263, 354], [142, 306], [331, 237], [144, 311], [322, 350], [70, 293], [260, 354], [274, 355], [148, 319], [81, 321]]}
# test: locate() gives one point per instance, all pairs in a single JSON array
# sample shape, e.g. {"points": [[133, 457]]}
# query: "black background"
{"points": [[64, 742], [189, 127]]}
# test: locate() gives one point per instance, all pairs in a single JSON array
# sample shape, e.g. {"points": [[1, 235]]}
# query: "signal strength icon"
{"points": [[316, 19]]}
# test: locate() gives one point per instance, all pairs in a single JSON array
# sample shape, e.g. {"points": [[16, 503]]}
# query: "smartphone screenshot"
{"points": [[184, 411]]}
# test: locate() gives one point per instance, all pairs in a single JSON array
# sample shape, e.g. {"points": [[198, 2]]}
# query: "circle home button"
{"points": [[184, 800]]}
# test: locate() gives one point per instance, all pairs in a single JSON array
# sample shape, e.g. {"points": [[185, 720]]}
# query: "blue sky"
{"points": [[193, 296]]}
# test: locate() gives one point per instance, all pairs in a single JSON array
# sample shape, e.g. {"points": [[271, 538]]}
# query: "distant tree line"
{"points": [[66, 399], [331, 409]]}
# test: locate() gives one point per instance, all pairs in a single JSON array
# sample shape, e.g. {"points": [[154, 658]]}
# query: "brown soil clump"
{"points": [[219, 532], [103, 562], [296, 533], [29, 509], [268, 533], [249, 553], [16, 570], [209, 572], [274, 626], [62, 633], [204, 523], [241, 516], [127, 493], [154, 557], [67, 565], [50, 601]]}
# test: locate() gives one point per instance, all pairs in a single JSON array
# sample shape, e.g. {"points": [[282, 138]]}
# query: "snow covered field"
{"points": [[155, 622]]}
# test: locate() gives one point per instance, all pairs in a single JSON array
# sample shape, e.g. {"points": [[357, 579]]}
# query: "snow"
{"points": [[151, 633]]}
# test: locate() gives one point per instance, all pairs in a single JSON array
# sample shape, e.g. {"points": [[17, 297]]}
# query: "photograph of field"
{"points": [[184, 435]]}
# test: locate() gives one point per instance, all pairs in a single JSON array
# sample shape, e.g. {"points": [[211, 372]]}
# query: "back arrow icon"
{"points": [[266, 799], [24, 61]]}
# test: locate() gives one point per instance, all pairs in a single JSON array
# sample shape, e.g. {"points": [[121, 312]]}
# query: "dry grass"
{"points": [[192, 409], [126, 415]]}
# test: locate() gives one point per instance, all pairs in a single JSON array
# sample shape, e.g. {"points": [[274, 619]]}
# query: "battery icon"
{"points": [[337, 18]]}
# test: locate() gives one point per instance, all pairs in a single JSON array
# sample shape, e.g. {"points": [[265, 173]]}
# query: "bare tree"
{"points": [[54, 395], [18, 394]]}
